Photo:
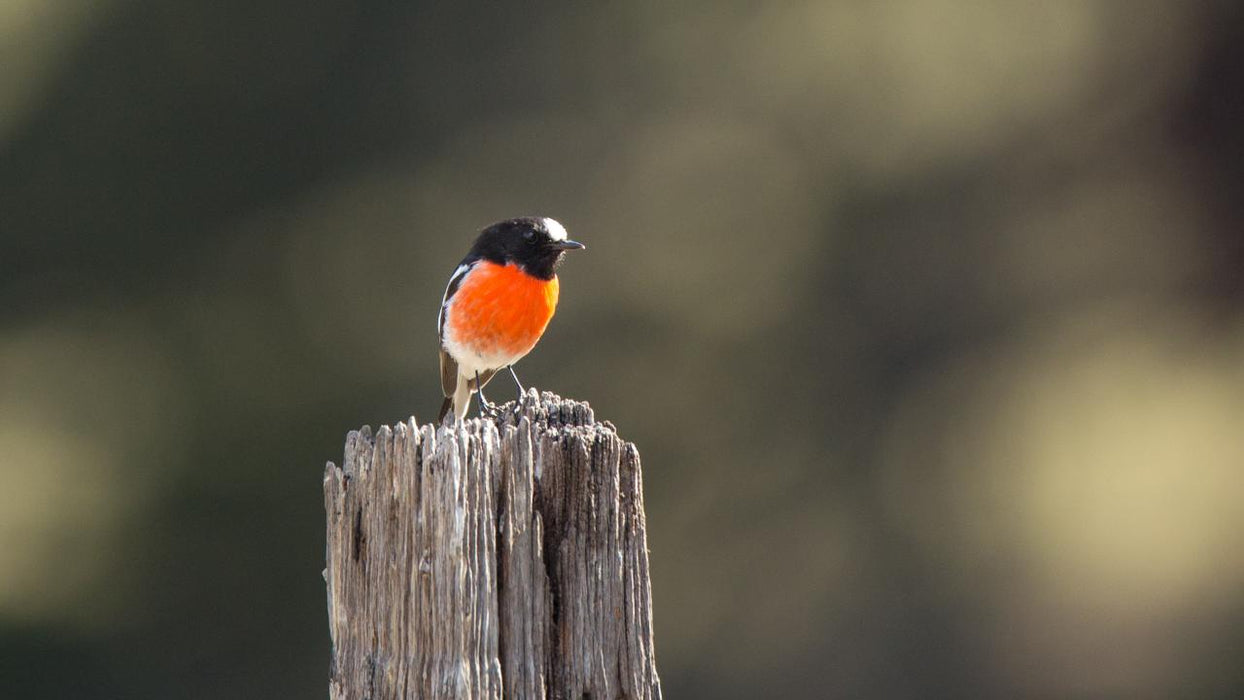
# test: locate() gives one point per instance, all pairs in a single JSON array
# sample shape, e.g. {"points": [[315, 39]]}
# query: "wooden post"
{"points": [[501, 558]]}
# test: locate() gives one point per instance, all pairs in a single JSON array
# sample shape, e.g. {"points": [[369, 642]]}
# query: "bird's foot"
{"points": [[488, 409]]}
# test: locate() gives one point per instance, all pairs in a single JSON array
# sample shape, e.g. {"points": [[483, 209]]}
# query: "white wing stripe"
{"points": [[454, 278]]}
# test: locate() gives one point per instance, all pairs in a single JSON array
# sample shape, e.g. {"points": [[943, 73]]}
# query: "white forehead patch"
{"points": [[556, 231]]}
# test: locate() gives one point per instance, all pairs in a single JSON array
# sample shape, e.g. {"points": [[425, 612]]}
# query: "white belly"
{"points": [[470, 360]]}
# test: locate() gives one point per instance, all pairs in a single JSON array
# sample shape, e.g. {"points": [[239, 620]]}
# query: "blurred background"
{"points": [[926, 316]]}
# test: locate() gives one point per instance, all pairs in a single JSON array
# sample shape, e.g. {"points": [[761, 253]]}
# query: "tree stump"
{"points": [[504, 557]]}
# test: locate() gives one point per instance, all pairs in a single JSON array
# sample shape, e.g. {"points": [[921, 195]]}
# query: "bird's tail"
{"points": [[460, 401]]}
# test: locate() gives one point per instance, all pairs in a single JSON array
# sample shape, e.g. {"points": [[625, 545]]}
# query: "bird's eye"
{"points": [[529, 235]]}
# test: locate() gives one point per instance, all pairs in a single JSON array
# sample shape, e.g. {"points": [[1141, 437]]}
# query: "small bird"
{"points": [[497, 305]]}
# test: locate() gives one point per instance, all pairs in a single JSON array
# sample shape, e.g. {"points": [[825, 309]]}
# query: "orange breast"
{"points": [[501, 310]]}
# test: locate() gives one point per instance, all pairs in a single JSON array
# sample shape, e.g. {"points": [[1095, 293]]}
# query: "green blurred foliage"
{"points": [[927, 318]]}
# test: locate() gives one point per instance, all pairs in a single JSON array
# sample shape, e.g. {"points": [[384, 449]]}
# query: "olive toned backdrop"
{"points": [[927, 317]]}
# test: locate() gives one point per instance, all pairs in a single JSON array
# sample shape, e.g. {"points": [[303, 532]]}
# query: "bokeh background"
{"points": [[927, 318]]}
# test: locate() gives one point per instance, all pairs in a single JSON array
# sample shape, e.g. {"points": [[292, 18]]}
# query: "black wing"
{"points": [[454, 281], [449, 366], [449, 382], [449, 374]]}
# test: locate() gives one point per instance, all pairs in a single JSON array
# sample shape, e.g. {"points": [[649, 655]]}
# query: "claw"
{"points": [[484, 404], [488, 408]]}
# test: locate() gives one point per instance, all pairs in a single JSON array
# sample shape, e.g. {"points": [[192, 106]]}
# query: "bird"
{"points": [[497, 304]]}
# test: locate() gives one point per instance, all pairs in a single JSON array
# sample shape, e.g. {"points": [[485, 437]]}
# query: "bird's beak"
{"points": [[568, 245]]}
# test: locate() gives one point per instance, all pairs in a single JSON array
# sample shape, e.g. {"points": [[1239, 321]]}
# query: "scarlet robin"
{"points": [[497, 305]]}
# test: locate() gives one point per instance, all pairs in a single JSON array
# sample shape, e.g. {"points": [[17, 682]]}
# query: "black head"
{"points": [[535, 243]]}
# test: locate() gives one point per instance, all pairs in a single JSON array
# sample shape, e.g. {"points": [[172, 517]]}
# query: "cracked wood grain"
{"points": [[503, 558]]}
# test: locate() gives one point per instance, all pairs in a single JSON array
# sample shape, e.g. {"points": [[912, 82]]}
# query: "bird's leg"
{"points": [[484, 404], [517, 383]]}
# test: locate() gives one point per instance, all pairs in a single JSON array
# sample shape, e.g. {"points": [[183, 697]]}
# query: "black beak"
{"points": [[568, 245]]}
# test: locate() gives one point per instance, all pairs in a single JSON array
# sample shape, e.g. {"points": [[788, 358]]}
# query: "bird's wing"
{"points": [[454, 280], [449, 373], [449, 366]]}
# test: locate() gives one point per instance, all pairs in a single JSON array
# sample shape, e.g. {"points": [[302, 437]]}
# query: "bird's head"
{"points": [[535, 243]]}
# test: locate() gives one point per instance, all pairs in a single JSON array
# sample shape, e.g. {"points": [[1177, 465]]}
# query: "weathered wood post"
{"points": [[500, 558]]}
